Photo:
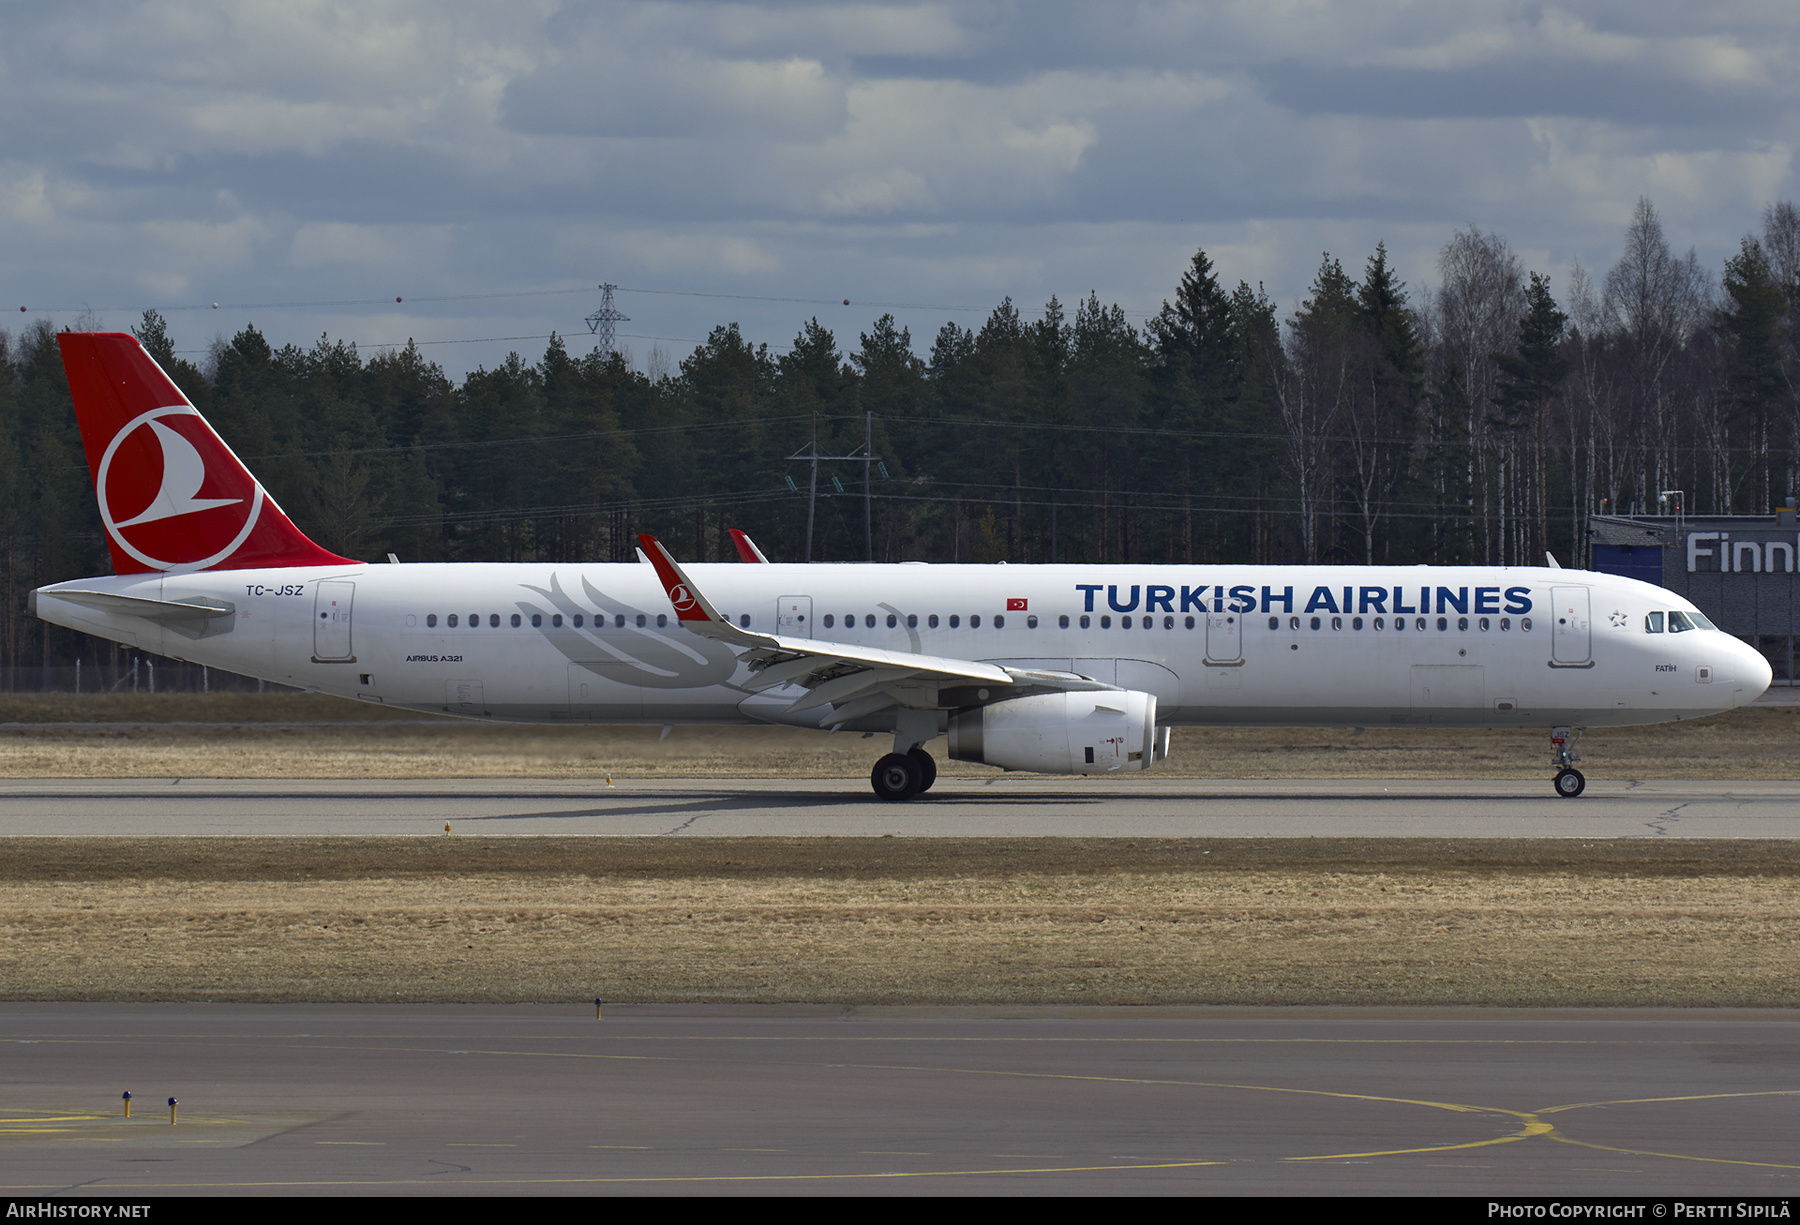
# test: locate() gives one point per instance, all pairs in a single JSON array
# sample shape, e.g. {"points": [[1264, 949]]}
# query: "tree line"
{"points": [[1479, 422]]}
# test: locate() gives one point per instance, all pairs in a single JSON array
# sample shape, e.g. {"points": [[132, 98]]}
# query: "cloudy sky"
{"points": [[303, 164]]}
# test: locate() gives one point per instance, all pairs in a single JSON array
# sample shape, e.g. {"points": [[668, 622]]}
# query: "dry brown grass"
{"points": [[938, 921], [302, 736]]}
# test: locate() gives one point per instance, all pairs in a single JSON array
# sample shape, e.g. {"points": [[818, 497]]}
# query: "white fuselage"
{"points": [[1223, 645]]}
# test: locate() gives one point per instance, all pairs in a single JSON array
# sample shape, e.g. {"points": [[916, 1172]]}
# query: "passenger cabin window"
{"points": [[932, 621], [431, 620], [1062, 622], [830, 620], [1086, 621], [1031, 621]]}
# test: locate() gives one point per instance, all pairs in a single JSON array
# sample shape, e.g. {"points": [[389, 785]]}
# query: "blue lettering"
{"points": [[1286, 597], [1458, 599], [1155, 595], [1193, 599], [1112, 598], [1243, 599], [1089, 589], [1487, 599], [1518, 600], [1371, 599], [1321, 598], [1398, 606]]}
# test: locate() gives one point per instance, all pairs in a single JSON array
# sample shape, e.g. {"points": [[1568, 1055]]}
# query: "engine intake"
{"points": [[1085, 732]]}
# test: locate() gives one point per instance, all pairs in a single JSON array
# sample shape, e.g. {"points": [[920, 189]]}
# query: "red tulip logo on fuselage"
{"points": [[171, 495]]}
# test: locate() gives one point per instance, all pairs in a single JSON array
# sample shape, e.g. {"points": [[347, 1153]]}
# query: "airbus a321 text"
{"points": [[1064, 669]]}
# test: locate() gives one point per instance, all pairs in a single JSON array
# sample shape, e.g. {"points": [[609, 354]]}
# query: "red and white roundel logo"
{"points": [[681, 597], [164, 503]]}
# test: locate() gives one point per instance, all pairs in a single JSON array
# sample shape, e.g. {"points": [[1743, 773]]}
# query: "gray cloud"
{"points": [[163, 153]]}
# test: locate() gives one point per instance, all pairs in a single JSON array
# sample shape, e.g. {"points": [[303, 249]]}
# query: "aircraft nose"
{"points": [[1754, 673]]}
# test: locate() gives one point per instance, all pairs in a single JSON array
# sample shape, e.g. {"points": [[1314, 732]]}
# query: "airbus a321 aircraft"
{"points": [[1067, 669]]}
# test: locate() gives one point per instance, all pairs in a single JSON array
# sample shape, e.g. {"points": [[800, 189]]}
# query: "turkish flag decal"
{"points": [[1015, 606]]}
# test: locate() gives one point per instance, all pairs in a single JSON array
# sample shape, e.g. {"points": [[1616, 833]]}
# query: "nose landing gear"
{"points": [[1569, 781]]}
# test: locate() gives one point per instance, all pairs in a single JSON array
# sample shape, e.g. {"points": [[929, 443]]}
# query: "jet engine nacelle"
{"points": [[1088, 732]]}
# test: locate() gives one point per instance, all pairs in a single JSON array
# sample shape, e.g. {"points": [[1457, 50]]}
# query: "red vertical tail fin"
{"points": [[172, 495]]}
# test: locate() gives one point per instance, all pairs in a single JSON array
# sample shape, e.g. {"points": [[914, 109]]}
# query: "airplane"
{"points": [[1059, 669]]}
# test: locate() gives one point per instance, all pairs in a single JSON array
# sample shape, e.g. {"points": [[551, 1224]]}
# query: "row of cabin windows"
{"points": [[954, 621], [642, 620], [1419, 623], [1677, 622], [556, 620]]}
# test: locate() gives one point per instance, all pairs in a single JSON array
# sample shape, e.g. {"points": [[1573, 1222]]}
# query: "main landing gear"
{"points": [[1569, 781], [901, 776]]}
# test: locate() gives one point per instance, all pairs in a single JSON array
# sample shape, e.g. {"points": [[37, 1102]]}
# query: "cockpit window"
{"points": [[1680, 622], [1653, 623]]}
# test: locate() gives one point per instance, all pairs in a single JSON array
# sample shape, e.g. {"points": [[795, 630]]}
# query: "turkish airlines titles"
{"points": [[1243, 598]]}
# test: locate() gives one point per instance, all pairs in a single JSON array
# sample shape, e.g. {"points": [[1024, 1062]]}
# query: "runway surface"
{"points": [[1000, 807], [464, 1101]]}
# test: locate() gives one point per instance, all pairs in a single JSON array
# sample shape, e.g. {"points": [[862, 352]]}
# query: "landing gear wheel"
{"points": [[897, 777], [927, 768], [1570, 783]]}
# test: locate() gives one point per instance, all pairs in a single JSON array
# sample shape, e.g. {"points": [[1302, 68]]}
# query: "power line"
{"points": [[401, 299]]}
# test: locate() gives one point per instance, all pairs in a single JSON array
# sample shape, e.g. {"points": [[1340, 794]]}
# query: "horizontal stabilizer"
{"points": [[200, 608]]}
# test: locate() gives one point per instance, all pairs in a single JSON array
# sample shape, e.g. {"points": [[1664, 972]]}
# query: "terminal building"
{"points": [[1740, 570]]}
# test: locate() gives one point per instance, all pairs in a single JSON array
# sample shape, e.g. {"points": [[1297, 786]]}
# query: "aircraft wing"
{"points": [[852, 680]]}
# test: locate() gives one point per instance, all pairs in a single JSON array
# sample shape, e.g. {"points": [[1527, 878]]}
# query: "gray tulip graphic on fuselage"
{"points": [[656, 660]]}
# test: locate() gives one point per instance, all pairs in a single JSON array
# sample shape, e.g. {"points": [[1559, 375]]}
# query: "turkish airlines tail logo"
{"points": [[183, 472], [172, 495]]}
